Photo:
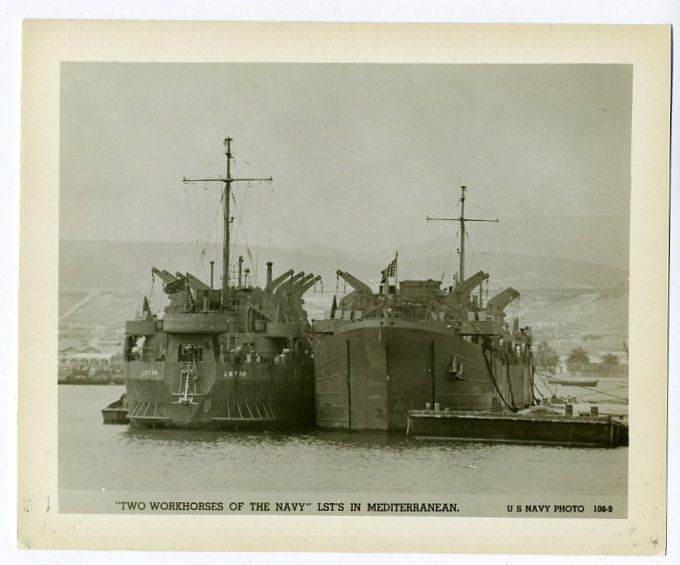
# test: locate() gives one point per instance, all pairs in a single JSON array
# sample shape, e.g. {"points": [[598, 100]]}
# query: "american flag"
{"points": [[390, 270]]}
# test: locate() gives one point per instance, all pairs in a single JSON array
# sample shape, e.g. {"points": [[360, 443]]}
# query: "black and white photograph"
{"points": [[350, 289], [371, 278]]}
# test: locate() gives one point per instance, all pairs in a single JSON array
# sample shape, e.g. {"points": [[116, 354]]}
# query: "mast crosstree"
{"points": [[226, 196], [461, 219]]}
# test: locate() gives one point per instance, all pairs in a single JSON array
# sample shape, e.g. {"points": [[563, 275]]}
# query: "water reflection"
{"points": [[341, 439], [95, 456], [337, 439]]}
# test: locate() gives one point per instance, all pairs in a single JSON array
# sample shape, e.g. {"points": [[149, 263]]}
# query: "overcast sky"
{"points": [[360, 154]]}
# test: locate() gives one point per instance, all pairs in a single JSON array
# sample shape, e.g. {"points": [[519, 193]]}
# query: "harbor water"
{"points": [[94, 456]]}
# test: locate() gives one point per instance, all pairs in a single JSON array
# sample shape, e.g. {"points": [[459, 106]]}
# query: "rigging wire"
{"points": [[470, 251], [263, 215], [239, 215], [201, 241], [200, 244], [491, 258], [510, 405], [235, 232], [254, 258], [448, 259], [151, 296], [259, 236], [198, 171], [206, 243], [193, 216]]}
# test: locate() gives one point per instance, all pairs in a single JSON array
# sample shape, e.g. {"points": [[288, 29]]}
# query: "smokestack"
{"points": [[240, 267], [212, 273], [269, 272]]}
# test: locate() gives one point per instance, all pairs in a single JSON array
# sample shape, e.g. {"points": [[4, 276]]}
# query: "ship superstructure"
{"points": [[229, 357], [413, 344]]}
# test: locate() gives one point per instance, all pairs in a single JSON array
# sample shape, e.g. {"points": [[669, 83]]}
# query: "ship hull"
{"points": [[221, 395], [369, 374]]}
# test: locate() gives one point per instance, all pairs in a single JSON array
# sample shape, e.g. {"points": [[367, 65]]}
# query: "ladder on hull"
{"points": [[188, 377]]}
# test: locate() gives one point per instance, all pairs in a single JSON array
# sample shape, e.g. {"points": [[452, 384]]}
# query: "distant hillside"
{"points": [[113, 264], [567, 302], [602, 239], [109, 264], [596, 320]]}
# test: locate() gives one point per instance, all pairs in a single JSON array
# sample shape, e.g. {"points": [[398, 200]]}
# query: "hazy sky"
{"points": [[360, 154]]}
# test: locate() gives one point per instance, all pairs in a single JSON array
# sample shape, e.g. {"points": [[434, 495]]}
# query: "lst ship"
{"points": [[234, 357], [413, 345]]}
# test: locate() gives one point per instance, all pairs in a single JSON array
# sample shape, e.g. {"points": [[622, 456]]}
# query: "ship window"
{"points": [[189, 353]]}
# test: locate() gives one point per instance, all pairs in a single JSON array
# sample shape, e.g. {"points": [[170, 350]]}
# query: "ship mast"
{"points": [[461, 219], [461, 264], [226, 198]]}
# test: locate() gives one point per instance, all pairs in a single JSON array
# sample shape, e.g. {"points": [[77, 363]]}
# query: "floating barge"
{"points": [[533, 428]]}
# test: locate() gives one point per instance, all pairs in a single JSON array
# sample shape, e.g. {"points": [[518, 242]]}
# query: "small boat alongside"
{"points": [[117, 411], [572, 381]]}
